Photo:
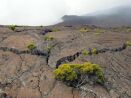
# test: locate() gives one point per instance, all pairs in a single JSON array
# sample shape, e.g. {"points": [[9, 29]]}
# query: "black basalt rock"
{"points": [[45, 31]]}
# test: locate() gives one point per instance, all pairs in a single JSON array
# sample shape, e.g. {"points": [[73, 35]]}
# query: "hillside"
{"points": [[114, 17]]}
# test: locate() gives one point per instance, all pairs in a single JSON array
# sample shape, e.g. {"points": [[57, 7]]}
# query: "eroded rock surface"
{"points": [[23, 75]]}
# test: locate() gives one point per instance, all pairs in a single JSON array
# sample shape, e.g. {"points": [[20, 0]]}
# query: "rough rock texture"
{"points": [[29, 75]]}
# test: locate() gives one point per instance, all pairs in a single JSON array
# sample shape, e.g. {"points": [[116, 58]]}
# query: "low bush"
{"points": [[94, 51], [128, 30], [31, 46], [12, 27], [85, 52], [41, 26], [55, 30], [78, 74], [99, 31], [48, 38], [128, 43], [84, 30]]}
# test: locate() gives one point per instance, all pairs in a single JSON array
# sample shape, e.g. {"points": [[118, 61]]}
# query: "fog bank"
{"points": [[48, 12]]}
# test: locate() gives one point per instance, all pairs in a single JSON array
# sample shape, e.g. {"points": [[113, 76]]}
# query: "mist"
{"points": [[49, 12]]}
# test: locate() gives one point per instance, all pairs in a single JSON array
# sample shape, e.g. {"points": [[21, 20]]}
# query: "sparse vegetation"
{"points": [[98, 31], [48, 38], [128, 30], [78, 74], [84, 30], [41, 26], [85, 52], [31, 46], [49, 48], [55, 30], [128, 43], [12, 27], [94, 51], [122, 29]]}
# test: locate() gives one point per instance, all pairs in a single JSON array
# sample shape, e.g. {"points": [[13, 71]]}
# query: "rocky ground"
{"points": [[30, 74]]}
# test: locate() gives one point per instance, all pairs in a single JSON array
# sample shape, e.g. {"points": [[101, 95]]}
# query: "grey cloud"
{"points": [[47, 12]]}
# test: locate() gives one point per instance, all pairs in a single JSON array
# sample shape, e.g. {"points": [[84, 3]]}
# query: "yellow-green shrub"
{"points": [[99, 30], [128, 30], [84, 30], [12, 27], [85, 52], [128, 43], [31, 46], [97, 33], [65, 72], [94, 51], [73, 72], [55, 30], [48, 38]]}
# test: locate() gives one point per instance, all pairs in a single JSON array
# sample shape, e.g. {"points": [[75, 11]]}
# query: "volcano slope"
{"points": [[28, 73]]}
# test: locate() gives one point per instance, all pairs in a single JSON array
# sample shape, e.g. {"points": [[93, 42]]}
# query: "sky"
{"points": [[48, 12]]}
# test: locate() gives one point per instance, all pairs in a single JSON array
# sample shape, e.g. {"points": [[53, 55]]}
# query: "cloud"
{"points": [[47, 12], [80, 7]]}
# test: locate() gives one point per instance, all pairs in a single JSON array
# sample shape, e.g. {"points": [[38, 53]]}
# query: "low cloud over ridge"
{"points": [[48, 12]]}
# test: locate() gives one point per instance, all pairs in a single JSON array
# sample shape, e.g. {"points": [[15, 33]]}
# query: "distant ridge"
{"points": [[114, 17]]}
